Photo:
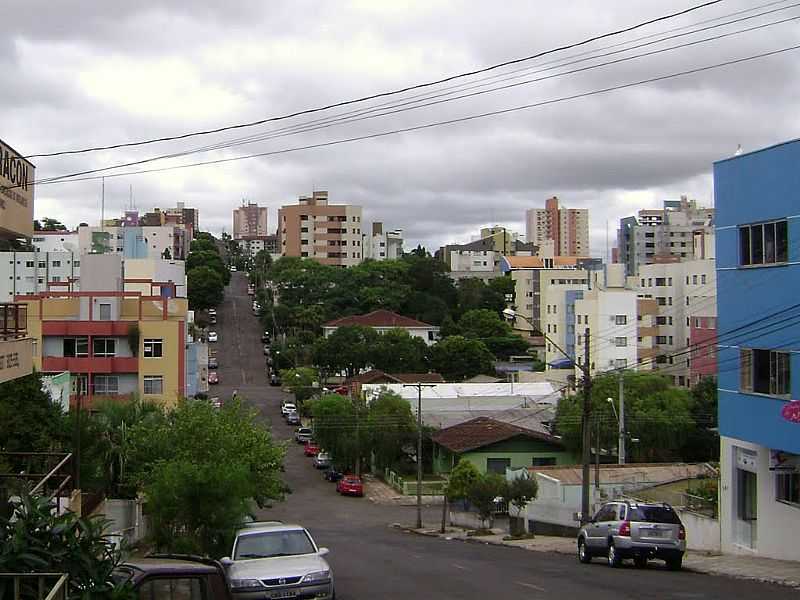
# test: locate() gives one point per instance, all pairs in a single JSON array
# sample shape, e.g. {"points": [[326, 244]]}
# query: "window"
{"points": [[763, 243], [621, 363], [543, 461], [76, 347], [620, 342], [56, 263], [661, 339], [787, 487], [106, 384], [670, 340], [153, 348], [661, 281], [104, 347], [661, 320], [154, 384], [703, 279], [764, 371], [620, 319], [168, 588], [497, 465], [105, 312], [29, 263], [55, 278], [431, 336], [694, 279], [42, 264]]}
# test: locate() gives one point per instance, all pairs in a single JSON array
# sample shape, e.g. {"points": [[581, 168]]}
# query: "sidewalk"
{"points": [[740, 567], [380, 493]]}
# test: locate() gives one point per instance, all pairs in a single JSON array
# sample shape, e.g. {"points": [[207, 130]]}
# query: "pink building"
{"points": [[703, 340]]}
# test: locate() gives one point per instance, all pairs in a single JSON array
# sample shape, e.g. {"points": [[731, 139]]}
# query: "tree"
{"points": [[463, 475], [482, 492], [521, 491], [655, 413], [703, 442], [205, 288], [205, 258], [48, 224], [347, 349], [391, 427], [340, 428], [37, 539], [458, 358], [200, 467], [483, 323], [203, 244], [396, 351], [29, 419], [300, 382]]}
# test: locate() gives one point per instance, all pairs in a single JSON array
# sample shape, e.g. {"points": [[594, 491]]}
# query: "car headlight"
{"points": [[317, 576], [245, 584]]}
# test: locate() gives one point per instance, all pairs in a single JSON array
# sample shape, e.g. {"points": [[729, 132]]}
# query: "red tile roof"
{"points": [[377, 318], [484, 431], [378, 376]]}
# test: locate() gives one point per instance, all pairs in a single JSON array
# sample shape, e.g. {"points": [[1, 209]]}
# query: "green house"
{"points": [[493, 445]]}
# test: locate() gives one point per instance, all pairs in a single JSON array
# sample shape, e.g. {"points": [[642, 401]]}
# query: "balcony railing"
{"points": [[30, 586], [13, 321]]}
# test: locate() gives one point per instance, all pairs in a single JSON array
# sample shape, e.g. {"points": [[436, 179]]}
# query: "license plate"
{"points": [[287, 594], [657, 533]]}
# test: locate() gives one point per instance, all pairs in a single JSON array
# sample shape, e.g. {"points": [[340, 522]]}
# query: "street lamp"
{"points": [[586, 434]]}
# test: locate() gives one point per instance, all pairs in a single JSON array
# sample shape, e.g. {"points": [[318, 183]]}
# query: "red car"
{"points": [[350, 485], [213, 377], [311, 449]]}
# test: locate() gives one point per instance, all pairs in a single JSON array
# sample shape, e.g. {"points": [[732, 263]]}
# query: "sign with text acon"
{"points": [[16, 194]]}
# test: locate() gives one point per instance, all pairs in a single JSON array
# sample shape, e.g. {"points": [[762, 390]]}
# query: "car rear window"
{"points": [[653, 514]]}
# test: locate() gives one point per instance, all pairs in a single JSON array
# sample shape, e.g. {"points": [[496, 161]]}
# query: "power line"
{"points": [[444, 122], [384, 94], [398, 107]]}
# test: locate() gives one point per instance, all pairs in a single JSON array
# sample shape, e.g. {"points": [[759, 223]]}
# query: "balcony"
{"points": [[90, 364], [16, 348]]}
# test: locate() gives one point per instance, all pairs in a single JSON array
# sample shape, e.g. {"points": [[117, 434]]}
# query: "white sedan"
{"points": [[212, 336]]}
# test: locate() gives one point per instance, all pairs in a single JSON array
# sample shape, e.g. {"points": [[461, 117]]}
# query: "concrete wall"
{"points": [[702, 532]]}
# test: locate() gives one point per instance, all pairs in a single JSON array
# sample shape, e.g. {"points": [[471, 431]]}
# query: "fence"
{"points": [[30, 586], [408, 487]]}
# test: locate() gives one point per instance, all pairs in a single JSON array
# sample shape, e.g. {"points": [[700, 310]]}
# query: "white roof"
{"points": [[471, 396]]}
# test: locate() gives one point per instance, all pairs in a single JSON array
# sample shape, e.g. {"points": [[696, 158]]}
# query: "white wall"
{"points": [[62, 241], [25, 273], [778, 524], [702, 532]]}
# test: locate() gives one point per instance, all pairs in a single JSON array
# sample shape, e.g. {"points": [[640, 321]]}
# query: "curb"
{"points": [[688, 568]]}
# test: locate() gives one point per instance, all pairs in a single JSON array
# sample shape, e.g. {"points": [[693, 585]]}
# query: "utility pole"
{"points": [[621, 443], [586, 427], [597, 452], [419, 387]]}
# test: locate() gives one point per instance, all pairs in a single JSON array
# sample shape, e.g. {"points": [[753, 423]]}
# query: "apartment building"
{"points": [[56, 241], [253, 245], [567, 228], [114, 342], [382, 245], [29, 273], [16, 221], [249, 221], [685, 294], [135, 241], [758, 266], [660, 235], [328, 233]]}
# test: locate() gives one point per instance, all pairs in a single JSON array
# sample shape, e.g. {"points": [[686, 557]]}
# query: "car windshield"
{"points": [[653, 514], [273, 543]]}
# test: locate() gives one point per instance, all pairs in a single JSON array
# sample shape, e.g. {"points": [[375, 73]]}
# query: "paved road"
{"points": [[372, 560]]}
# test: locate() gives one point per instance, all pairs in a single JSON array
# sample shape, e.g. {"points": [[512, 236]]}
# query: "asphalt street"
{"points": [[370, 559]]}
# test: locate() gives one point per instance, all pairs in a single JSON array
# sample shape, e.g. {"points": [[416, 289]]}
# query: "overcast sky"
{"points": [[78, 74]]}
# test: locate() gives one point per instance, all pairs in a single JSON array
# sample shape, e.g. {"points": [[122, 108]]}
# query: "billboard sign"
{"points": [[16, 358], [16, 194]]}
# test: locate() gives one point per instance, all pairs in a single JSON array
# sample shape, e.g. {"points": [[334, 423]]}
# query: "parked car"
{"points": [[641, 531], [287, 407], [213, 363], [322, 460], [274, 380], [293, 418], [266, 350], [311, 448], [303, 434], [212, 336], [350, 485], [265, 337], [212, 319], [275, 560], [212, 311], [216, 402], [166, 576], [213, 378], [332, 475], [233, 268]]}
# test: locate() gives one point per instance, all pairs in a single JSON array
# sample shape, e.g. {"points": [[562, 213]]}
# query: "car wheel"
{"points": [[674, 564], [614, 559], [640, 562], [583, 553]]}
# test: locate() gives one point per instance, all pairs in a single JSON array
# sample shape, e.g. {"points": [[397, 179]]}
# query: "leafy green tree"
{"points": [[655, 413], [48, 224], [347, 349], [203, 244], [205, 259], [458, 358], [391, 427], [482, 492], [463, 475], [702, 444], [520, 491], [396, 351], [199, 467], [300, 381], [510, 345], [483, 323], [36, 539], [29, 419], [340, 427], [205, 288]]}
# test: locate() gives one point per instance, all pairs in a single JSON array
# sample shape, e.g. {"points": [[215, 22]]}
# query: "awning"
{"points": [[562, 363]]}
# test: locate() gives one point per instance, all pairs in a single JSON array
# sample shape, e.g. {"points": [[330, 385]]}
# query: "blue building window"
{"points": [[763, 243], [764, 372]]}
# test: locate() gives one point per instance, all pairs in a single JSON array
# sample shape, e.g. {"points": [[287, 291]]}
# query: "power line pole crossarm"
{"points": [[419, 387]]}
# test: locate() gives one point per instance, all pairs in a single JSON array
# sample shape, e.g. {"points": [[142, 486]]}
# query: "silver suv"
{"points": [[624, 529], [274, 560]]}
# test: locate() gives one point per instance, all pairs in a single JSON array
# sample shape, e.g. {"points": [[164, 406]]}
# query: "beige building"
{"points": [[250, 221], [328, 233], [568, 228]]}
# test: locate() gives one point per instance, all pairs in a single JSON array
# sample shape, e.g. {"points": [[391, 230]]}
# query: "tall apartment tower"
{"points": [[250, 221], [328, 233], [568, 228]]}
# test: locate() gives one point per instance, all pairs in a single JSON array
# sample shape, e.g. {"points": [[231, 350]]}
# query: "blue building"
{"points": [[758, 277]]}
